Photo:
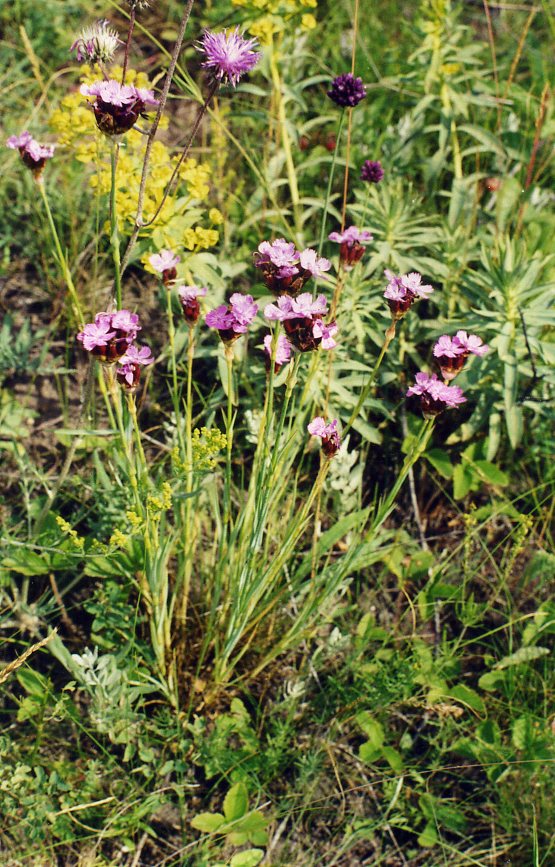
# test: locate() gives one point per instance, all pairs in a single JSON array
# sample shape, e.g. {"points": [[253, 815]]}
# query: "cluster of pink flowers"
{"points": [[33, 154], [231, 320], [435, 395], [286, 269], [351, 242], [110, 338], [116, 106], [403, 290], [452, 352], [302, 320], [328, 433]]}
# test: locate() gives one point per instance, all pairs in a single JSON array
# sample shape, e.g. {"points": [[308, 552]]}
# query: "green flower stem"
{"points": [[389, 335], [173, 365], [114, 232], [189, 513], [62, 262], [132, 407], [115, 394], [286, 142], [229, 435], [330, 184]]}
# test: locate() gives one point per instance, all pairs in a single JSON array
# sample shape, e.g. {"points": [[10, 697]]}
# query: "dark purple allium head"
{"points": [[117, 106], [351, 243], [372, 171], [165, 263], [403, 290], [285, 269], [452, 353], [110, 336], [96, 44], [189, 297], [231, 320], [331, 441], [435, 395], [302, 321], [282, 352], [347, 90], [228, 55], [33, 154]]}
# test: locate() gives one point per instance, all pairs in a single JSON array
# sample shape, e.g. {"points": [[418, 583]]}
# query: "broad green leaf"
{"points": [[393, 758], [33, 683], [491, 680], [236, 802], [523, 655], [439, 459], [462, 481], [428, 837], [371, 728], [27, 562], [492, 474], [208, 823], [369, 753], [467, 696], [250, 858], [507, 201], [523, 733]]}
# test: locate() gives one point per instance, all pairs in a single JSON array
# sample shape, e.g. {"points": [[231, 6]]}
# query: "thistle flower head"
{"points": [[96, 44], [347, 90], [372, 171], [33, 154], [435, 395], [328, 433], [228, 55]]}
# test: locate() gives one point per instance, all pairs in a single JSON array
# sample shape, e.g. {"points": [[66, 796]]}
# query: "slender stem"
{"points": [[62, 262], [347, 161], [389, 335], [115, 394], [173, 365], [285, 140], [132, 407], [189, 513], [330, 183], [229, 436], [128, 43], [154, 129], [114, 232]]}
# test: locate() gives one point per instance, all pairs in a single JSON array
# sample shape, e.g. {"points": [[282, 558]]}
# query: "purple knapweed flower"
{"points": [[282, 352], [96, 44], [117, 106], [189, 295], [351, 242], [347, 90], [452, 353], [435, 395], [302, 321], [228, 55], [33, 154], [164, 263], [328, 433], [372, 171], [403, 290], [110, 336], [285, 269], [231, 320]]}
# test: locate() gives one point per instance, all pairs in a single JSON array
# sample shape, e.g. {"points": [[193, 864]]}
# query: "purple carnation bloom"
{"points": [[403, 290], [351, 242], [347, 90], [165, 263], [372, 171], [331, 441], [453, 352], [231, 320], [33, 154], [302, 320], [117, 106], [137, 355], [435, 395], [110, 336], [285, 269], [189, 295], [283, 351], [228, 55]]}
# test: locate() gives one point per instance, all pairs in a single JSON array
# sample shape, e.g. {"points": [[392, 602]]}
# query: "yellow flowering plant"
{"points": [[268, 17]]}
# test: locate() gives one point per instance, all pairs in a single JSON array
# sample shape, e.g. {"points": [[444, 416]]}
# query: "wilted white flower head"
{"points": [[97, 43], [139, 4]]}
